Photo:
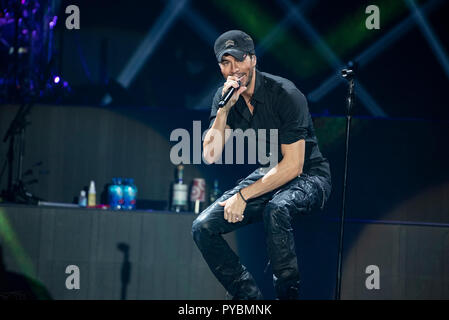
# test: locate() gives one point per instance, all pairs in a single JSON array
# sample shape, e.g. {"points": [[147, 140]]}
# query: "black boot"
{"points": [[288, 292], [245, 288]]}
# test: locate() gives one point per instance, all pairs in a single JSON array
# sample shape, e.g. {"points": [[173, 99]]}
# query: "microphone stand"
{"points": [[349, 75], [16, 191]]}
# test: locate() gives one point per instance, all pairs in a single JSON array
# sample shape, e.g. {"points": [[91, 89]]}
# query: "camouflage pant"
{"points": [[301, 195]]}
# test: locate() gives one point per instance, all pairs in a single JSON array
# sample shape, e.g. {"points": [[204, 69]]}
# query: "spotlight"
{"points": [[52, 23]]}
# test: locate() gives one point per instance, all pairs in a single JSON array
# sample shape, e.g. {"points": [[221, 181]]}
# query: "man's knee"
{"points": [[202, 226], [276, 218], [198, 227]]}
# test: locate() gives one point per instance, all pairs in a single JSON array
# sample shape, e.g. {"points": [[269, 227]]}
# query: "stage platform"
{"points": [[154, 249]]}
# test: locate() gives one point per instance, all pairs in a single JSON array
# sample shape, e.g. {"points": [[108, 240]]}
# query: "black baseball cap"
{"points": [[234, 42]]}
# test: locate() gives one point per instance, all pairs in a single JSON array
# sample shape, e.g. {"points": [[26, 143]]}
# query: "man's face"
{"points": [[230, 66]]}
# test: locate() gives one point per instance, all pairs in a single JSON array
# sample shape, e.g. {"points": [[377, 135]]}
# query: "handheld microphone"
{"points": [[227, 96]]}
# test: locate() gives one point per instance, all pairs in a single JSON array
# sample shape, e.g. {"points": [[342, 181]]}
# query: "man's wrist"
{"points": [[241, 196], [244, 194], [223, 111]]}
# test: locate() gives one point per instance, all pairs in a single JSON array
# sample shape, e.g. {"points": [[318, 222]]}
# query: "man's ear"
{"points": [[253, 60]]}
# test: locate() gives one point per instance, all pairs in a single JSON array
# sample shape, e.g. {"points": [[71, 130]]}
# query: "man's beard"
{"points": [[250, 77]]}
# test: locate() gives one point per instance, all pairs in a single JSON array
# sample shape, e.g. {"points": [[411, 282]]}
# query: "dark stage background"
{"points": [[135, 71]]}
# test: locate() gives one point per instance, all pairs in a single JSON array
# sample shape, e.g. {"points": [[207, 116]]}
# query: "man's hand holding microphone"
{"points": [[230, 93]]}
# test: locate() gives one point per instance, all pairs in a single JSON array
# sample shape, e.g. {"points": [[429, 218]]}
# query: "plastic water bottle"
{"points": [[129, 194], [82, 200], [115, 194]]}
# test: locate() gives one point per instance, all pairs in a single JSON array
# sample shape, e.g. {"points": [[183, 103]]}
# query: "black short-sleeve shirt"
{"points": [[278, 104]]}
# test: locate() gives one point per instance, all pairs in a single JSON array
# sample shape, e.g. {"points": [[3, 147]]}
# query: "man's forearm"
{"points": [[215, 138], [279, 175]]}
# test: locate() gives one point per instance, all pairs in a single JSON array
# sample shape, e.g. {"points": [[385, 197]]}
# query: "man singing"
{"points": [[297, 184]]}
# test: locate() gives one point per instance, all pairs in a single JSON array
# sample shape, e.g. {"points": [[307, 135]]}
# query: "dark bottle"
{"points": [[215, 193], [179, 200]]}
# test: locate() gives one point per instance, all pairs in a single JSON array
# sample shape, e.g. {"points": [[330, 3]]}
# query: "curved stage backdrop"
{"points": [[397, 210]]}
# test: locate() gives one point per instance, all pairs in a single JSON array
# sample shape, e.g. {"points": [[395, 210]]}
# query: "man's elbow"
{"points": [[292, 167], [207, 157], [296, 170], [208, 160]]}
